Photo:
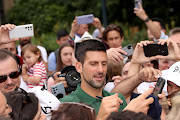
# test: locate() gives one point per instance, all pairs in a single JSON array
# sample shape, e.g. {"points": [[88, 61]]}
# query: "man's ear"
{"points": [[79, 67], [122, 38], [58, 41]]}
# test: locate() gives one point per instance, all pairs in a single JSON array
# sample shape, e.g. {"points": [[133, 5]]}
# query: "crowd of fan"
{"points": [[112, 87]]}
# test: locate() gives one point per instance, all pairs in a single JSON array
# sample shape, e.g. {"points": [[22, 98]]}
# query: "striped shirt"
{"points": [[37, 70]]}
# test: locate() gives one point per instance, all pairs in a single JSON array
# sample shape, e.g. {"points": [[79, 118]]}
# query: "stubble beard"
{"points": [[93, 84]]}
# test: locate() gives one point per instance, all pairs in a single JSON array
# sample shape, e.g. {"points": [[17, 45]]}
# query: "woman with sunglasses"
{"points": [[25, 106]]}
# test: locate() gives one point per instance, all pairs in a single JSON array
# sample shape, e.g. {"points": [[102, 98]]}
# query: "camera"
{"points": [[72, 77]]}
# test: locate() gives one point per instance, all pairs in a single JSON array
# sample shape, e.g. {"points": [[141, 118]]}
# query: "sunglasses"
{"points": [[12, 75]]}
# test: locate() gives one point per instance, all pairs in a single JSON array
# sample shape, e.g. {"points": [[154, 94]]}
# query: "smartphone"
{"points": [[22, 31], [155, 49], [85, 19], [128, 49], [136, 3], [58, 90], [159, 86]]}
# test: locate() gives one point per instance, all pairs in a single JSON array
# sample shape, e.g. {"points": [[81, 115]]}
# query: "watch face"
{"points": [[147, 19]]}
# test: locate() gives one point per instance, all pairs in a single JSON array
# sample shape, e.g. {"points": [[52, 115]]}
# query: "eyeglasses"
{"points": [[12, 75], [81, 104]]}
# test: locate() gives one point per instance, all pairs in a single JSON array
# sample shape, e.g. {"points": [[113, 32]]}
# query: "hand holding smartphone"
{"points": [[22, 31], [155, 49], [128, 49]]}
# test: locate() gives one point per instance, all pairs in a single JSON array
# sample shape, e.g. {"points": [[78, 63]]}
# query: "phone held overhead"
{"points": [[22, 31], [136, 3], [85, 19]]}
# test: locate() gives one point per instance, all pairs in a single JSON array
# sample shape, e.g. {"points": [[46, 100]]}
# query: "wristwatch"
{"points": [[147, 19]]}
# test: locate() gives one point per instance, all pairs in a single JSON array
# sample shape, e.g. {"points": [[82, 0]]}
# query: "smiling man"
{"points": [[92, 66]]}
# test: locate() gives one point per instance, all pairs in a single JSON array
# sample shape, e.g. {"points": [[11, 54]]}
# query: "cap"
{"points": [[86, 36], [48, 101], [19, 60], [174, 73]]}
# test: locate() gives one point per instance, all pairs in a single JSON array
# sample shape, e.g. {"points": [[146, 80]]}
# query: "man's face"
{"points": [[24, 41], [165, 64], [66, 55], [63, 40], [176, 38], [125, 70], [93, 71], [150, 36], [172, 88], [82, 28], [8, 66], [5, 109], [9, 46], [114, 39]]}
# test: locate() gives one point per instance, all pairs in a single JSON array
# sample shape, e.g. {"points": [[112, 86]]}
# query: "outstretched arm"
{"points": [[155, 30]]}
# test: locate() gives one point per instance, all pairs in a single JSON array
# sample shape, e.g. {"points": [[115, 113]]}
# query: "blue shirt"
{"points": [[52, 62]]}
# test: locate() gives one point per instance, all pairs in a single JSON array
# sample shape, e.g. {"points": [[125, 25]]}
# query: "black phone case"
{"points": [[159, 86], [155, 49]]}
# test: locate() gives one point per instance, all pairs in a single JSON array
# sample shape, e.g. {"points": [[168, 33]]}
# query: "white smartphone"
{"points": [[136, 3], [58, 90], [85, 19], [128, 49], [22, 31]]}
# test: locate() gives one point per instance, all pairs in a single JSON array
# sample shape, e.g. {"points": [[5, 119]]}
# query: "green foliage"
{"points": [[49, 16]]}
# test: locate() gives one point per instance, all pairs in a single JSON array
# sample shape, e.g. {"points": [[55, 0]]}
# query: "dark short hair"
{"points": [[162, 24], [5, 54], [129, 115], [24, 106], [61, 33], [112, 27], [88, 45], [174, 31]]}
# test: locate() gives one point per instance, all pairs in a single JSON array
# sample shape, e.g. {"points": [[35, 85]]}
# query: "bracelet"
{"points": [[147, 19], [71, 38]]}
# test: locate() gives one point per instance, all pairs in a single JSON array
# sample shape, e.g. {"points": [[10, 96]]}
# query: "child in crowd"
{"points": [[33, 71]]}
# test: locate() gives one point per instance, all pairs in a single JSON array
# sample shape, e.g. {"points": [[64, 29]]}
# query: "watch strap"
{"points": [[147, 19]]}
